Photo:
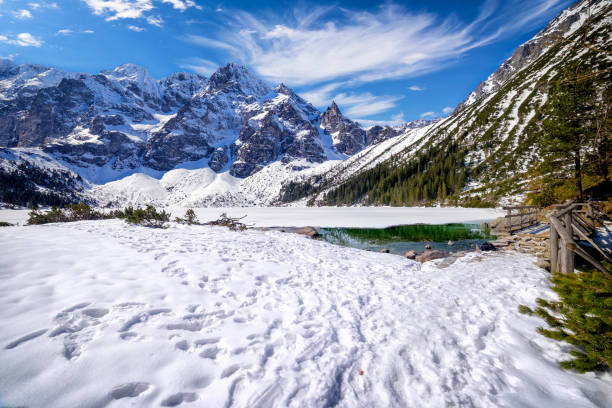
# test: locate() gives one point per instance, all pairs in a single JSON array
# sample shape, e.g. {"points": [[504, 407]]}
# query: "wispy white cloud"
{"points": [[391, 42], [428, 114], [395, 120], [447, 110], [352, 104], [323, 95], [135, 28], [212, 43], [200, 65], [22, 14], [68, 31], [134, 9], [36, 6], [22, 40], [155, 20], [415, 88], [365, 104]]}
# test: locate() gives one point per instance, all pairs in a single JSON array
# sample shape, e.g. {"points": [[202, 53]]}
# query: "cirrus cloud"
{"points": [[332, 43]]}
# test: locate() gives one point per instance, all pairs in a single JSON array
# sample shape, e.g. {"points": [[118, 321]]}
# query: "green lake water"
{"points": [[398, 240]]}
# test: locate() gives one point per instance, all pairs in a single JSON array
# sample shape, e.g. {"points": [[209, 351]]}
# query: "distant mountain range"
{"points": [[122, 137], [117, 123]]}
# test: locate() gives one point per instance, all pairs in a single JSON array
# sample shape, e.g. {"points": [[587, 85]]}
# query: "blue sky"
{"points": [[387, 62]]}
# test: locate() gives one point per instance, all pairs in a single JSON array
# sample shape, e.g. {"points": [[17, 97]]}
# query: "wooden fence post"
{"points": [[554, 249], [569, 252]]}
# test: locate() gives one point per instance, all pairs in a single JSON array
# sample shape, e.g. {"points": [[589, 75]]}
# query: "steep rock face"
{"points": [[213, 117], [285, 128], [377, 134], [50, 113], [348, 136], [179, 88]]}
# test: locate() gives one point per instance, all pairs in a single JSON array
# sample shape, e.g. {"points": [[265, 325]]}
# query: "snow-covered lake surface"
{"points": [[360, 217], [101, 313]]}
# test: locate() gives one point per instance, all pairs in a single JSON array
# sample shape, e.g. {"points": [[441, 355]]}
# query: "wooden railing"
{"points": [[568, 222], [520, 217]]}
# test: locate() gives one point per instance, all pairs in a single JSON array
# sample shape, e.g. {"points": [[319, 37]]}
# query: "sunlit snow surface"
{"points": [[104, 314]]}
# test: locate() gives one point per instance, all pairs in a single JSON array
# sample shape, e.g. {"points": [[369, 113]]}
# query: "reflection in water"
{"points": [[447, 238]]}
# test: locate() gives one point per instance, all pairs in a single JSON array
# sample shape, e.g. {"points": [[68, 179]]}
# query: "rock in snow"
{"points": [[115, 315]]}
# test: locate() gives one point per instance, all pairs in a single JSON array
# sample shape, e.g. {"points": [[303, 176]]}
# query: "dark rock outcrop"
{"points": [[349, 138]]}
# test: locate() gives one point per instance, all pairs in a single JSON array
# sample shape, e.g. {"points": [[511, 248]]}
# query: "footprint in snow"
{"points": [[129, 390], [210, 352], [230, 370], [25, 338], [178, 398]]}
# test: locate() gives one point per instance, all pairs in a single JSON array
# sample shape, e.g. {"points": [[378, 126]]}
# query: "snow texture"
{"points": [[106, 314]]}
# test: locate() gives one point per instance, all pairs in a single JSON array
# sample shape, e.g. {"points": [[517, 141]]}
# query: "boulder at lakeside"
{"points": [[310, 232], [430, 255]]}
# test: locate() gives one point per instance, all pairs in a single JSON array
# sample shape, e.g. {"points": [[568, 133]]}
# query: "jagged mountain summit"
{"points": [[120, 122]]}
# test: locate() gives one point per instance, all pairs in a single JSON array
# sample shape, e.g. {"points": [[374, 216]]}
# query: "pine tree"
{"points": [[569, 123], [581, 317]]}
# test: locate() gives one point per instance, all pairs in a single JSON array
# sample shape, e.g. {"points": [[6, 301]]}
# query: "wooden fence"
{"points": [[520, 217], [571, 223]]}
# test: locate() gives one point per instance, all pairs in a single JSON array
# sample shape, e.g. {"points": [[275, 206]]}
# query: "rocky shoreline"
{"points": [[534, 244]]}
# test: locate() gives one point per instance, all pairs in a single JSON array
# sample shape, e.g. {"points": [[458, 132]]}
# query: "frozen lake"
{"points": [[358, 217]]}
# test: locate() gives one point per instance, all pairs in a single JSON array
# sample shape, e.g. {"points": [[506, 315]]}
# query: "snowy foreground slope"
{"points": [[101, 313]]}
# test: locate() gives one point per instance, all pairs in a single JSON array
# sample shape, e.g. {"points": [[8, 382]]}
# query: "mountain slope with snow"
{"points": [[487, 149]]}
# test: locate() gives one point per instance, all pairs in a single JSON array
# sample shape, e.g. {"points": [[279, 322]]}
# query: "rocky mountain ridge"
{"points": [[119, 122], [123, 119]]}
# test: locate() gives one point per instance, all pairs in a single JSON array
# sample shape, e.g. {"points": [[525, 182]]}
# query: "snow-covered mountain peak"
{"points": [[131, 72], [128, 74], [284, 89], [28, 78], [237, 78]]}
